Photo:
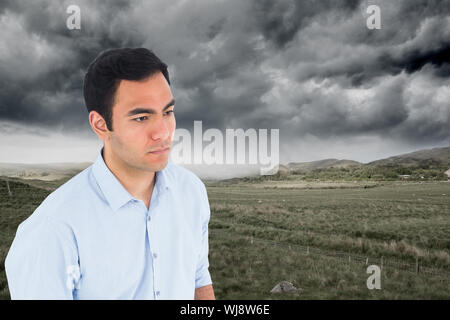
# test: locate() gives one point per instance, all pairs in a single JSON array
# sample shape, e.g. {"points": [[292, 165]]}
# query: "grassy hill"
{"points": [[321, 164], [423, 165], [421, 158], [46, 171]]}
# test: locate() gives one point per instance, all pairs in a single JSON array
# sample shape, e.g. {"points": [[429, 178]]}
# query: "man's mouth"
{"points": [[160, 151]]}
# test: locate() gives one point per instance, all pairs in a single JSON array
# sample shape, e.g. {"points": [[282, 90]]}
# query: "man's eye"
{"points": [[140, 119], [169, 112]]}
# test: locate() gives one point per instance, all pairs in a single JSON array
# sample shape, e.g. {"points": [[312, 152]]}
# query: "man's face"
{"points": [[143, 123]]}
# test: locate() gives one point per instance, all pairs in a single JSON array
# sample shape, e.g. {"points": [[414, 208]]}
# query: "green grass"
{"points": [[258, 232], [399, 221], [244, 270]]}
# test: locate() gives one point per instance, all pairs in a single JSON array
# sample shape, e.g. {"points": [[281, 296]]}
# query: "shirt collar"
{"points": [[114, 191]]}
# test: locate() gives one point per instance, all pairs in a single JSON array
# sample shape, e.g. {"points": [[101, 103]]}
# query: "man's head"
{"points": [[130, 106]]}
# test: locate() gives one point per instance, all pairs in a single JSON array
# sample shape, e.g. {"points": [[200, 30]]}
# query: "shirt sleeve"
{"points": [[202, 276], [42, 262]]}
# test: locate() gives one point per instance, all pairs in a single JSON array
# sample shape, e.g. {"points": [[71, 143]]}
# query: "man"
{"points": [[132, 225]]}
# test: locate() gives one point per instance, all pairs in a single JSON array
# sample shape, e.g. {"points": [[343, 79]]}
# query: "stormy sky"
{"points": [[334, 88]]}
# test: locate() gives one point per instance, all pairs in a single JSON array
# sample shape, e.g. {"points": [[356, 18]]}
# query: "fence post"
{"points": [[307, 250], [367, 261], [7, 185], [382, 263], [417, 264]]}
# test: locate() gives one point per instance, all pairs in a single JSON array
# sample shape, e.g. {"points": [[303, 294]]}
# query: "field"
{"points": [[321, 236], [260, 234]]}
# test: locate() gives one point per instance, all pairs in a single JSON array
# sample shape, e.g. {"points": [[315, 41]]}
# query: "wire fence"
{"points": [[390, 263]]}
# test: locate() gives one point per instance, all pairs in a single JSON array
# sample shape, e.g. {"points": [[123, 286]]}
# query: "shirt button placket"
{"points": [[155, 282], [153, 248], [153, 255]]}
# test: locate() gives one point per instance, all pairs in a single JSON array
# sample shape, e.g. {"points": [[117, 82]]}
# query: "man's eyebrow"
{"points": [[147, 110]]}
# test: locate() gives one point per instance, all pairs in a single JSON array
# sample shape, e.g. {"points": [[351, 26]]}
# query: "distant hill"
{"points": [[46, 171], [435, 156], [321, 164]]}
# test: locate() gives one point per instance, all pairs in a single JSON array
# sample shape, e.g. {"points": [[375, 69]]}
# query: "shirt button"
{"points": [[157, 293], [155, 255], [149, 218]]}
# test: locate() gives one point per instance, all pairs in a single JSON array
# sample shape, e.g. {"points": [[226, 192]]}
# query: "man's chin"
{"points": [[157, 166], [157, 161], [162, 166]]}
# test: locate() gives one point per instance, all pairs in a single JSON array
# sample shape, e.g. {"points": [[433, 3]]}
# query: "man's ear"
{"points": [[98, 125]]}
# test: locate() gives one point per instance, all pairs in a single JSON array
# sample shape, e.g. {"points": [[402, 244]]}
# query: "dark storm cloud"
{"points": [[280, 21], [44, 63], [413, 34], [306, 67], [414, 61]]}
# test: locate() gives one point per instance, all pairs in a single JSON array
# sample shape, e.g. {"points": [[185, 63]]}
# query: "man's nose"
{"points": [[160, 131]]}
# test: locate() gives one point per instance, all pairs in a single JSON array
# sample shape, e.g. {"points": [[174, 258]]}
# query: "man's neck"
{"points": [[138, 183]]}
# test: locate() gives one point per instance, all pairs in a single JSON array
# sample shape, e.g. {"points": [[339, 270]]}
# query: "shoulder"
{"points": [[64, 202], [178, 176], [187, 186]]}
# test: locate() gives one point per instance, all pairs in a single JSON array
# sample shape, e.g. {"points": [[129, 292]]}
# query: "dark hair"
{"points": [[110, 67]]}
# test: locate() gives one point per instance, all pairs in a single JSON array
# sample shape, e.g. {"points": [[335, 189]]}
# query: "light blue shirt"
{"points": [[90, 239]]}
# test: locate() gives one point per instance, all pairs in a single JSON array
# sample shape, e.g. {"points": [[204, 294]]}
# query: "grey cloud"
{"points": [[306, 67], [280, 21]]}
